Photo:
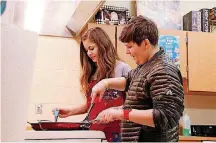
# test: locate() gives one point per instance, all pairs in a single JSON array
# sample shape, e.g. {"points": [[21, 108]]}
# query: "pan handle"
{"points": [[38, 124], [41, 125], [43, 121]]}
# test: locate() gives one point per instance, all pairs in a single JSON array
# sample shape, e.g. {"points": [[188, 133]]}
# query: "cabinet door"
{"points": [[109, 29], [183, 49], [122, 51], [202, 61]]}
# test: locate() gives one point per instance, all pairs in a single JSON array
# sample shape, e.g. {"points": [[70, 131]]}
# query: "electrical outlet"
{"points": [[38, 108]]}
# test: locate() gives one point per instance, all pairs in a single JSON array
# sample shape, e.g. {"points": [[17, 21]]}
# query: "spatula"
{"points": [[56, 114], [89, 110]]}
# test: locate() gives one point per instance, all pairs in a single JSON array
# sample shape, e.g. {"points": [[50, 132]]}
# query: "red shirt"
{"points": [[111, 98]]}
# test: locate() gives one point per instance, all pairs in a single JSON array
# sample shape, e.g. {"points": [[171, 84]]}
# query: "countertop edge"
{"points": [[198, 138]]}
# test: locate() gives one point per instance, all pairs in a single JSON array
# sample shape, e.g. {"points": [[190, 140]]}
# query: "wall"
{"points": [[56, 77], [18, 55], [201, 109]]}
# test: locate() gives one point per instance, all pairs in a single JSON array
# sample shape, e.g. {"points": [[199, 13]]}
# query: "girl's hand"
{"points": [[98, 90], [63, 112]]}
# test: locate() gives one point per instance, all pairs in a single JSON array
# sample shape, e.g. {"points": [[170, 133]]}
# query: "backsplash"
{"points": [[201, 109], [47, 113], [56, 77]]}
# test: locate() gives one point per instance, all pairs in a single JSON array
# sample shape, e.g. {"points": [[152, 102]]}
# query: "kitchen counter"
{"points": [[72, 136], [195, 138]]}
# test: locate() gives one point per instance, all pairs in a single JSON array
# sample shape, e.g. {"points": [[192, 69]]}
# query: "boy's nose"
{"points": [[127, 51]]}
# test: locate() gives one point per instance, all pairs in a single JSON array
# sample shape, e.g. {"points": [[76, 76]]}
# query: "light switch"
{"points": [[38, 108]]}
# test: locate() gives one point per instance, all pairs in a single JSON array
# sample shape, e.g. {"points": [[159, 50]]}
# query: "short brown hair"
{"points": [[138, 29]]}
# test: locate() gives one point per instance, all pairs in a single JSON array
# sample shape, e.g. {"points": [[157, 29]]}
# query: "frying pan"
{"points": [[55, 126], [47, 125]]}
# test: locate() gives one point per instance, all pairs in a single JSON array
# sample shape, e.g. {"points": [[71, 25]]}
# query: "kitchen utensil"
{"points": [[58, 126], [56, 114], [90, 108], [95, 120]]}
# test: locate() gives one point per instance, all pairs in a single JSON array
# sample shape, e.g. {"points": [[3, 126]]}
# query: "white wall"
{"points": [[56, 77], [18, 51]]}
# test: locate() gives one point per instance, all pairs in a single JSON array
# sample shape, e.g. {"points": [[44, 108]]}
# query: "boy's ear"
{"points": [[142, 43], [145, 43]]}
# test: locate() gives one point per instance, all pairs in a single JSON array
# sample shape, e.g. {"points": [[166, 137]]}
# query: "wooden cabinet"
{"points": [[201, 61]]}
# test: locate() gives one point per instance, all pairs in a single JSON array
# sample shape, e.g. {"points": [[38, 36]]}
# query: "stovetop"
{"points": [[76, 134]]}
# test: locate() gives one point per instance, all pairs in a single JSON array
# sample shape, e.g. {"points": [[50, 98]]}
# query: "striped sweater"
{"points": [[156, 85]]}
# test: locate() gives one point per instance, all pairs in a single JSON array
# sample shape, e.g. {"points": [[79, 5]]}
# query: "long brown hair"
{"points": [[107, 56]]}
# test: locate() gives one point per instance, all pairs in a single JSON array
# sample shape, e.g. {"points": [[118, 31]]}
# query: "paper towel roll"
{"points": [[18, 57]]}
